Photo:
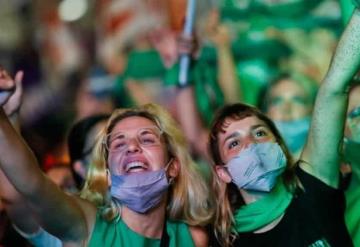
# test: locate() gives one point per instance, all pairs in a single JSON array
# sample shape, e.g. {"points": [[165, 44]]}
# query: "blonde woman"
{"points": [[264, 199], [143, 189]]}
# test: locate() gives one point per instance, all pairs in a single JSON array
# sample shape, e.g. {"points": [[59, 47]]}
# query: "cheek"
{"points": [[156, 156], [274, 112], [227, 155], [113, 163], [301, 111]]}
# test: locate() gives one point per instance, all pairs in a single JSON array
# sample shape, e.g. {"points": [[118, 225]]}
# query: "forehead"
{"points": [[133, 123], [244, 125], [287, 86]]}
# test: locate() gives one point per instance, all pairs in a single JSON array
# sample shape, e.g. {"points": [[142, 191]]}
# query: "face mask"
{"points": [[294, 133], [353, 122], [257, 167], [144, 65], [352, 152], [140, 191]]}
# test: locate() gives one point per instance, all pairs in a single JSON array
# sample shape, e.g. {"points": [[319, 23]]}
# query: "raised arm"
{"points": [[321, 154], [228, 80], [57, 212]]}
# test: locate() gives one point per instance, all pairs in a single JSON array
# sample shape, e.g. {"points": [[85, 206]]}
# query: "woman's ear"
{"points": [[174, 168], [80, 169], [223, 174]]}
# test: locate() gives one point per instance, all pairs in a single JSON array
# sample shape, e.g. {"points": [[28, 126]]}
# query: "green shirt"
{"points": [[117, 233]]}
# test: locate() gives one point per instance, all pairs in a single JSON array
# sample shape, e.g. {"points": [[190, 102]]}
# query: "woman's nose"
{"points": [[133, 146], [247, 141]]}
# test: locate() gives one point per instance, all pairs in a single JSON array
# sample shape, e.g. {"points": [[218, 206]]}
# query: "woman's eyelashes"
{"points": [[233, 144], [259, 133], [256, 135]]}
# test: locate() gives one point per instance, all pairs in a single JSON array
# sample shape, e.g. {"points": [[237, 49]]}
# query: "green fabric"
{"points": [[254, 76], [356, 3], [346, 10], [235, 9], [352, 193], [144, 64], [121, 96], [203, 76], [117, 233], [255, 44], [352, 212], [290, 8], [258, 214]]}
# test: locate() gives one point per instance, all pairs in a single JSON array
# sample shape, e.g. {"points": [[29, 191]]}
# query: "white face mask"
{"points": [[257, 167]]}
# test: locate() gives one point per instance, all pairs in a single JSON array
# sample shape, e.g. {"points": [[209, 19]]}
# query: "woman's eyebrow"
{"points": [[234, 134], [259, 126]]}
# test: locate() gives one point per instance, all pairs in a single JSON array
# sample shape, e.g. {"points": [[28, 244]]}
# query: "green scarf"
{"points": [[258, 214]]}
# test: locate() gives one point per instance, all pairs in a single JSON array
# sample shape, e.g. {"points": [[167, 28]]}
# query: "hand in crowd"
{"points": [[187, 45], [10, 91], [218, 33]]}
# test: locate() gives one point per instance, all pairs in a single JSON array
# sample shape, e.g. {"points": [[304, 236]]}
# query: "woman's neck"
{"points": [[150, 224], [250, 197]]}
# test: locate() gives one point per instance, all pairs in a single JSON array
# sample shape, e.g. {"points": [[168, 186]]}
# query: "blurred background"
{"points": [[85, 57]]}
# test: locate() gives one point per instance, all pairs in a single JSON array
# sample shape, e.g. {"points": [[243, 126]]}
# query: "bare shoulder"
{"points": [[89, 210], [199, 236]]}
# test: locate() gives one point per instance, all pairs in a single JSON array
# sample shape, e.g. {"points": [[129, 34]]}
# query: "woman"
{"points": [[154, 185], [288, 101], [352, 159], [265, 199]]}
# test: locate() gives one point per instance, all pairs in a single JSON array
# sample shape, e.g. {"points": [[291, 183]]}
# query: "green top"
{"points": [[117, 233]]}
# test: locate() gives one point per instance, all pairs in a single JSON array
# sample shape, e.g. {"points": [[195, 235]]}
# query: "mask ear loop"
{"points": [[117, 204]]}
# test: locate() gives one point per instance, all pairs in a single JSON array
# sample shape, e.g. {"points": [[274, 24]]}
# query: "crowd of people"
{"points": [[258, 147]]}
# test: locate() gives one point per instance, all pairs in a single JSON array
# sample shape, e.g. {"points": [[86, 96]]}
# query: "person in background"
{"points": [[288, 100], [81, 142], [352, 160]]}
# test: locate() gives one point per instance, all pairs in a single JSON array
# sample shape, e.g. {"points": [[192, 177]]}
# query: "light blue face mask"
{"points": [[294, 133], [257, 167], [140, 192]]}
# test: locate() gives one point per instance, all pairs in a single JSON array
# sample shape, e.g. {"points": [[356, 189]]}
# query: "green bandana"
{"points": [[258, 214], [145, 64]]}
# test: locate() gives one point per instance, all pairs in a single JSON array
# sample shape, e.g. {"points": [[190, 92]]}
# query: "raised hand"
{"points": [[14, 102], [7, 86]]}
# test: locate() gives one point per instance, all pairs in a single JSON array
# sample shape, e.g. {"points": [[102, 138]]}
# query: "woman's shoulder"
{"points": [[89, 211], [198, 234]]}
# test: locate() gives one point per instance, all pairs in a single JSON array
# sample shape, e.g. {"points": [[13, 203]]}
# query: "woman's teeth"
{"points": [[135, 166]]}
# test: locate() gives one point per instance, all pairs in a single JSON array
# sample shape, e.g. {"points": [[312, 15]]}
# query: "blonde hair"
{"points": [[189, 199]]}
